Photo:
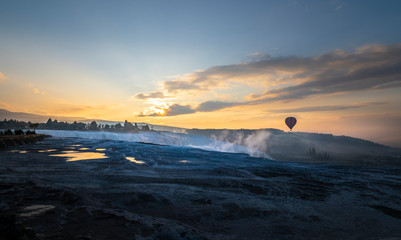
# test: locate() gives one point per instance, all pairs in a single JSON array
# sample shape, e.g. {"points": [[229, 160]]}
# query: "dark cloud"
{"points": [[313, 109], [324, 108], [173, 110], [144, 96], [375, 67], [177, 109], [174, 85], [379, 77], [370, 67], [214, 77], [292, 78], [211, 106]]}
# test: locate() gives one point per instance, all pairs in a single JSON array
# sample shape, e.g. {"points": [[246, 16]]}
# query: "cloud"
{"points": [[369, 67], [174, 85], [177, 109], [4, 105], [144, 96], [353, 72], [210, 106], [173, 110], [2, 76], [70, 109], [324, 108], [313, 109], [268, 70], [37, 91], [293, 78], [339, 6]]}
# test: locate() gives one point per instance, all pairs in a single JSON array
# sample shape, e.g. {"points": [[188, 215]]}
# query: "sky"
{"points": [[334, 65]]}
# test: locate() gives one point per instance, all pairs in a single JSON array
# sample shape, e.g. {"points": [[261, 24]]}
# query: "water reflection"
{"points": [[184, 161], [132, 159], [83, 148], [77, 156], [18, 151], [100, 149], [47, 150]]}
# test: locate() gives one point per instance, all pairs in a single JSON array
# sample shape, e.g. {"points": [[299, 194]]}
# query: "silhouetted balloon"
{"points": [[291, 121]]}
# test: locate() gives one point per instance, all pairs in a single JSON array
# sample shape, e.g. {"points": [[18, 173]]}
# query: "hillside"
{"points": [[307, 147], [285, 146], [21, 116]]}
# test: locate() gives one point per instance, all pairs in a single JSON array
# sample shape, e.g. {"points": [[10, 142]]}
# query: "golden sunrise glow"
{"points": [[133, 69], [78, 156], [132, 159], [158, 106]]}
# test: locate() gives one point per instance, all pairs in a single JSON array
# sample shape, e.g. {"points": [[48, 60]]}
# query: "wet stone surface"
{"points": [[125, 190]]}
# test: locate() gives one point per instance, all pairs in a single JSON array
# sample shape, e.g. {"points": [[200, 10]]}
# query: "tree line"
{"points": [[56, 125]]}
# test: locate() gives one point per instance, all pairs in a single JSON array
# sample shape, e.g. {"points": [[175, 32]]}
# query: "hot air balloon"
{"points": [[290, 121]]}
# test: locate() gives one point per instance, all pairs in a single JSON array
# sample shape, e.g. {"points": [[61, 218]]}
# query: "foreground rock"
{"points": [[15, 140], [143, 191]]}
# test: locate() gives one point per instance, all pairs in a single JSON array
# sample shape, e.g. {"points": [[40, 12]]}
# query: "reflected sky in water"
{"points": [[18, 151], [78, 156], [132, 159], [47, 150]]}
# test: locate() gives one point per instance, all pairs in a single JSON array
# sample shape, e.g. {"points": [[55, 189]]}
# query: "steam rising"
{"points": [[254, 146], [255, 142]]}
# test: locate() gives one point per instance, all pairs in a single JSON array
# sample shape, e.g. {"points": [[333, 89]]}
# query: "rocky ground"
{"points": [[144, 191], [15, 140]]}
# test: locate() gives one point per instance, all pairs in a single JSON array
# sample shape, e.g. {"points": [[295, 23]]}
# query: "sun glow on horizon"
{"points": [[133, 64], [158, 107], [157, 110]]}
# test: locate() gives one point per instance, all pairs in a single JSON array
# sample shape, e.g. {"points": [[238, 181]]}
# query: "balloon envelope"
{"points": [[290, 121]]}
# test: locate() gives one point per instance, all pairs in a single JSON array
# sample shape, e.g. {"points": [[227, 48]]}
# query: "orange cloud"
{"points": [[37, 91], [151, 95], [292, 78], [2, 76], [4, 105]]}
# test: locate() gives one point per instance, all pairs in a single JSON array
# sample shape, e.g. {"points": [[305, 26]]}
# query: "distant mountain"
{"points": [[21, 116]]}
